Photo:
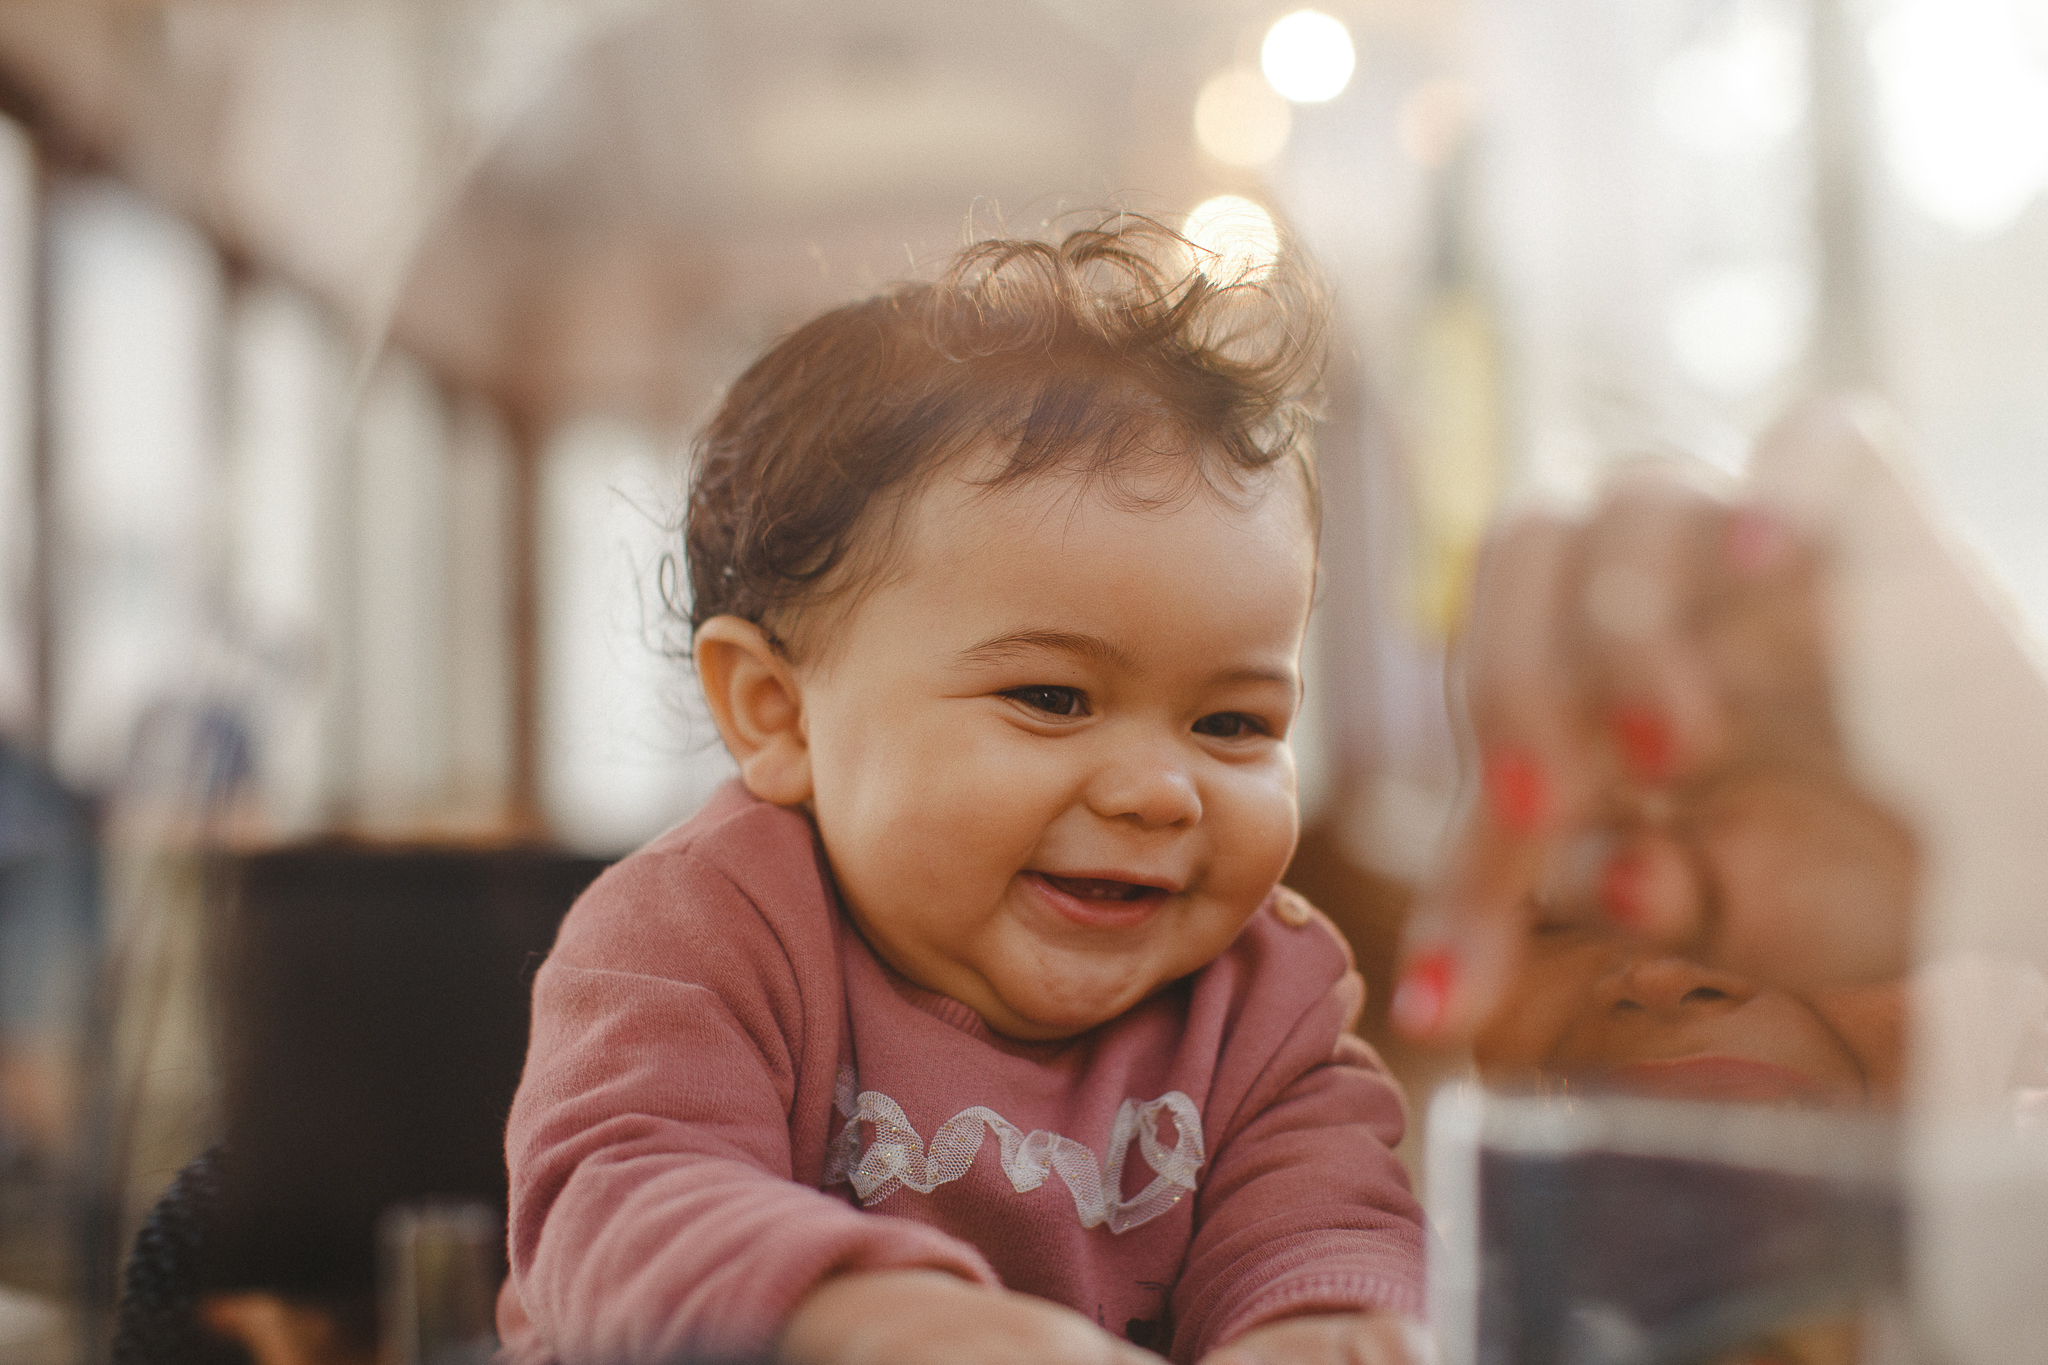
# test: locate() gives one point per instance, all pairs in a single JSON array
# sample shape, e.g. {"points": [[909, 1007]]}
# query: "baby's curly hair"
{"points": [[1114, 350]]}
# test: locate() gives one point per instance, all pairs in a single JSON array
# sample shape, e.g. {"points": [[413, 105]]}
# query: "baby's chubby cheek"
{"points": [[1259, 821], [924, 836]]}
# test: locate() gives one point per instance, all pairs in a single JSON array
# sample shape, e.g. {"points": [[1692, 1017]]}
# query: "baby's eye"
{"points": [[1230, 725], [1057, 701]]}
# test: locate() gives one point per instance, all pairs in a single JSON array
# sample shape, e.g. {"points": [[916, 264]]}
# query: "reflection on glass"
{"points": [[1614, 1232], [1589, 1012]]}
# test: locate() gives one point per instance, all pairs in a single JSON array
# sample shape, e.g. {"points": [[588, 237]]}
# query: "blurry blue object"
{"points": [[49, 901]]}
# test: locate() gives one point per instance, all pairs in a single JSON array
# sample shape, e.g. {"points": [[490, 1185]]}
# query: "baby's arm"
{"points": [[924, 1317], [654, 1211], [1331, 1339], [1306, 1233]]}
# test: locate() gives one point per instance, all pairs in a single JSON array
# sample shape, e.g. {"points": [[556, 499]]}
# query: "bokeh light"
{"points": [[1237, 239], [1735, 328], [1738, 92], [1239, 120], [1308, 57], [1963, 109]]}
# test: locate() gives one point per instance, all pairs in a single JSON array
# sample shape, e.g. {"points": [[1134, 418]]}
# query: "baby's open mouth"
{"points": [[1101, 888]]}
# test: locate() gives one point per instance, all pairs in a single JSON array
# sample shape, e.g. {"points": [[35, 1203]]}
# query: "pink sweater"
{"points": [[728, 1098]]}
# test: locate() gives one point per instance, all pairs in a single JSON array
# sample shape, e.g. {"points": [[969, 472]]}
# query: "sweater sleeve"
{"points": [[653, 1207], [1304, 1207]]}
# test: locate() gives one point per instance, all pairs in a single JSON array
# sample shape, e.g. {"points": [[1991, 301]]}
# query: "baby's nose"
{"points": [[1148, 791], [1667, 985]]}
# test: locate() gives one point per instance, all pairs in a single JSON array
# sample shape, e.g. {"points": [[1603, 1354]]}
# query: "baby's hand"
{"points": [[1331, 1339], [927, 1317]]}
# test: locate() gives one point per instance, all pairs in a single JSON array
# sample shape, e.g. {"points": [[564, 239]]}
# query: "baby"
{"points": [[1594, 1010], [969, 1023]]}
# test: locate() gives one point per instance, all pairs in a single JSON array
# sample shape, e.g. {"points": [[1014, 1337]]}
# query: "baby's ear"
{"points": [[754, 699]]}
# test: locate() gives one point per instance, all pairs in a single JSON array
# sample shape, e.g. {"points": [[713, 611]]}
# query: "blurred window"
{"points": [[401, 656], [626, 747], [287, 378], [135, 319]]}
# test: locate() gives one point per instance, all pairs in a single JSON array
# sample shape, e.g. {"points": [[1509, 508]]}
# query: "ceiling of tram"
{"points": [[558, 199]]}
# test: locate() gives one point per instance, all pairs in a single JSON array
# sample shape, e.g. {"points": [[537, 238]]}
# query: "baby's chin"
{"points": [[1048, 1016], [1725, 1077], [1042, 1023]]}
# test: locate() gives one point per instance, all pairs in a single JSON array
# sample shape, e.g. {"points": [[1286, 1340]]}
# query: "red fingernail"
{"points": [[1645, 739], [1621, 890], [1515, 790], [1424, 995], [1755, 541]]}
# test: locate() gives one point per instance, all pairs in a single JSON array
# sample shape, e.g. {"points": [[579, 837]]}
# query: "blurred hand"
{"points": [[1331, 1339], [927, 1317], [1649, 692]]}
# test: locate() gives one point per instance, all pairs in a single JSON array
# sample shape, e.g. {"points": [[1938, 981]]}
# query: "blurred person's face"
{"points": [[1601, 1014], [1047, 752]]}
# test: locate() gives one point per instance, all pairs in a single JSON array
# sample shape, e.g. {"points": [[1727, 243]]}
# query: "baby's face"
{"points": [[1048, 753], [1607, 1015]]}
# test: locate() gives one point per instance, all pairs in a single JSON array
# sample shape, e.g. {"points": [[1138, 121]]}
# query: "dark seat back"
{"points": [[373, 1013]]}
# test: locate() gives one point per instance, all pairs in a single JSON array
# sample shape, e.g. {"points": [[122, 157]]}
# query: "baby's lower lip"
{"points": [[1096, 911], [1714, 1077]]}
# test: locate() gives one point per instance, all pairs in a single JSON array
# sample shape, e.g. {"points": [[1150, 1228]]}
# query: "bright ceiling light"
{"points": [[1235, 239], [1308, 57], [1239, 120], [1963, 109]]}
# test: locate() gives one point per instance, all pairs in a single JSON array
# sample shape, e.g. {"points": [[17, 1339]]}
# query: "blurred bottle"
{"points": [[439, 1269], [1456, 427]]}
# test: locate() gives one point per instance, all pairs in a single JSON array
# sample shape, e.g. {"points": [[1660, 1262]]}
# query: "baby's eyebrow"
{"points": [[1285, 676], [1008, 645]]}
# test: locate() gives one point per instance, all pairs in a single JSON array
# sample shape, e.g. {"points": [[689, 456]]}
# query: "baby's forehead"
{"points": [[1067, 537], [984, 494]]}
